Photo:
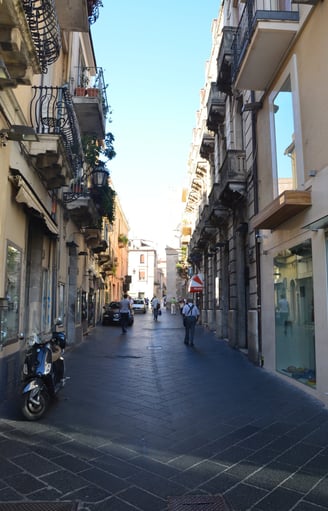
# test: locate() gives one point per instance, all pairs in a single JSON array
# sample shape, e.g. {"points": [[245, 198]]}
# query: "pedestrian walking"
{"points": [[155, 304], [125, 307], [173, 306], [190, 313], [182, 303]]}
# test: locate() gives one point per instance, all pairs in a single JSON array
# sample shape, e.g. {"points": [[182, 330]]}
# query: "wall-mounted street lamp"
{"points": [[99, 176]]}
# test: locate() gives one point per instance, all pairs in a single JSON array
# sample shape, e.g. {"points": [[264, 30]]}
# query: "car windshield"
{"points": [[114, 305], [139, 302]]}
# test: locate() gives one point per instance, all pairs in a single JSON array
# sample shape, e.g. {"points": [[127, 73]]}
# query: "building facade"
{"points": [[57, 205], [257, 173], [147, 278]]}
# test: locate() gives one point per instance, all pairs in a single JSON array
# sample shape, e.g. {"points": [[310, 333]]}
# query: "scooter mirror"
{"points": [[21, 336]]}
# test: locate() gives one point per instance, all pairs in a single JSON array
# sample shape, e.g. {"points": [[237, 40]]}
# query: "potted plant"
{"points": [[80, 91], [122, 240]]}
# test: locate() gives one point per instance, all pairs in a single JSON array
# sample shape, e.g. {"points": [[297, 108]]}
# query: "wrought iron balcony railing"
{"points": [[93, 10], [52, 113], [255, 11], [91, 80], [42, 19]]}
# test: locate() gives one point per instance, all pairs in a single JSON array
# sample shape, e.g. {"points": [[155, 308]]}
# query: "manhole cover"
{"points": [[38, 506], [198, 503]]}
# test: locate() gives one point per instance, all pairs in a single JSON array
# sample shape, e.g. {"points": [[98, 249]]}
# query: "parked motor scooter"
{"points": [[43, 372]]}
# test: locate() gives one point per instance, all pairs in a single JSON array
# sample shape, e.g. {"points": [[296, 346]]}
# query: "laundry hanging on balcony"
{"points": [[196, 283]]}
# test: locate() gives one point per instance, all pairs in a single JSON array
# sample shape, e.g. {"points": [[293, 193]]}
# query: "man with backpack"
{"points": [[190, 313]]}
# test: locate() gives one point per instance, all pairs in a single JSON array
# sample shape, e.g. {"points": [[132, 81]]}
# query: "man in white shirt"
{"points": [[190, 313], [125, 307]]}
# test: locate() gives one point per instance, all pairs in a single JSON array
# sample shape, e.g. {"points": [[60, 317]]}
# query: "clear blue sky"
{"points": [[153, 55]]}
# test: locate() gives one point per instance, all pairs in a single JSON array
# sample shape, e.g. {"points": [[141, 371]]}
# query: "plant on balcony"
{"points": [[96, 150], [182, 265], [182, 270], [96, 155], [104, 199], [122, 240]]}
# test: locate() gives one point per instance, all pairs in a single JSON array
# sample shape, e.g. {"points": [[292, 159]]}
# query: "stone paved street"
{"points": [[144, 418]]}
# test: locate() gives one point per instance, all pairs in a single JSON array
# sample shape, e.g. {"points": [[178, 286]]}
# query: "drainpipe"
{"points": [[257, 245]]}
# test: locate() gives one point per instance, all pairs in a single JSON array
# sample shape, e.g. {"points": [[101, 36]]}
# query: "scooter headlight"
{"points": [[34, 339]]}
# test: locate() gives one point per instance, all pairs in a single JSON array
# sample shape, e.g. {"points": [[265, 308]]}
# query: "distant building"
{"points": [[147, 279], [172, 258]]}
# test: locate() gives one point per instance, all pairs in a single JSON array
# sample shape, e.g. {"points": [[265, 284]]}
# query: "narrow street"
{"points": [[144, 419]]}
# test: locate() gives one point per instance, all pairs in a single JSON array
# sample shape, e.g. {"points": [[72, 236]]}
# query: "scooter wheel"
{"points": [[34, 405]]}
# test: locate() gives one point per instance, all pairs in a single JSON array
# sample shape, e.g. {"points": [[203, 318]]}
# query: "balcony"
{"points": [[264, 34], [91, 106], [224, 60], [207, 146], [232, 178], [73, 15], [29, 40], [288, 204], [83, 211], [197, 242], [203, 232], [59, 152], [218, 213], [215, 108], [93, 239]]}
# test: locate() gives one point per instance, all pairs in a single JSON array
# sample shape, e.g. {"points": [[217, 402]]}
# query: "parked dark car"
{"points": [[111, 314]]}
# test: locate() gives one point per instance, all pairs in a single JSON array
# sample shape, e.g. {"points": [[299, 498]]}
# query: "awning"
{"points": [[26, 196], [196, 283]]}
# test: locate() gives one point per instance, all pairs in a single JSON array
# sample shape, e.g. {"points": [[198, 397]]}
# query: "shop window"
{"points": [[287, 159], [10, 321], [294, 313]]}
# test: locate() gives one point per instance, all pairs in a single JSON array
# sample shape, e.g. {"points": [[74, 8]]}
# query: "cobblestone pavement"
{"points": [[145, 418]]}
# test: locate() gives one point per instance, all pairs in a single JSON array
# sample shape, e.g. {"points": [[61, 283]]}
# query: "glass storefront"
{"points": [[294, 313]]}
